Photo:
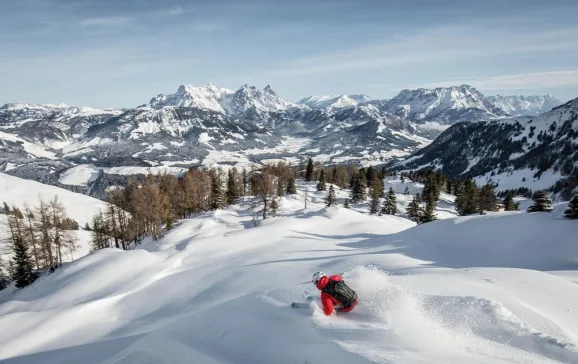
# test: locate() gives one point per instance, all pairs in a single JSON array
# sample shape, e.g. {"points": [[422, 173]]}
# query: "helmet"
{"points": [[317, 277]]}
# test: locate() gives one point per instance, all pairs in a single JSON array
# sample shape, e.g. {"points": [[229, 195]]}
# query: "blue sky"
{"points": [[120, 53]]}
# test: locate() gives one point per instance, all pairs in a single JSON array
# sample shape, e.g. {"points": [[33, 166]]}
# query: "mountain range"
{"points": [[535, 152], [209, 125]]}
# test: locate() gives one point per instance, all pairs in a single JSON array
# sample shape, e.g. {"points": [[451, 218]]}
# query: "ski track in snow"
{"points": [[499, 288]]}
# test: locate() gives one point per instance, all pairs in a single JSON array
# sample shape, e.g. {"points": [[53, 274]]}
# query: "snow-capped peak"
{"points": [[332, 102], [204, 97], [23, 111], [251, 98], [524, 105], [24, 106], [443, 103]]}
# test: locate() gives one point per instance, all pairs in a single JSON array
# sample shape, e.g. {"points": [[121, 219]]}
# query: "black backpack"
{"points": [[341, 291]]}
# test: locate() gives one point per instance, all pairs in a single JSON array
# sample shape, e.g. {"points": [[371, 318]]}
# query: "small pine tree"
{"points": [[6, 209], [245, 181], [370, 175], [390, 203], [509, 204], [310, 171], [406, 191], [346, 204], [429, 211], [330, 199], [23, 273], [414, 210], [487, 199], [358, 191], [216, 194], [321, 186], [541, 203], [374, 203], [169, 220], [87, 227], [572, 211], [291, 188], [231, 188]]}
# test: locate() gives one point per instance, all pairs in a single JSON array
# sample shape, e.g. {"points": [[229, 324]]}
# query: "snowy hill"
{"points": [[446, 105], [536, 152], [326, 102], [524, 105], [17, 192], [217, 290]]}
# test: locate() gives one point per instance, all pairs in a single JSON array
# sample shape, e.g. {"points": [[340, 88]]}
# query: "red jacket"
{"points": [[329, 301]]}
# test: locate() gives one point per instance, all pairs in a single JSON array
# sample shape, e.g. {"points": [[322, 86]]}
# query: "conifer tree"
{"points": [[87, 227], [374, 203], [509, 204], [406, 191], [359, 189], [321, 186], [541, 203], [390, 203], [232, 187], [291, 188], [23, 272], [429, 211], [370, 175], [330, 200], [414, 210], [572, 211], [6, 208], [309, 173], [245, 182], [467, 200], [346, 204], [216, 197], [487, 199]]}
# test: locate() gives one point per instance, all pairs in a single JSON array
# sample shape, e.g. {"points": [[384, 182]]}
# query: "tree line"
{"points": [[151, 207]]}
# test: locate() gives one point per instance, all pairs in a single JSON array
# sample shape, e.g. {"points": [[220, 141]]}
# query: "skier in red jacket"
{"points": [[335, 294]]}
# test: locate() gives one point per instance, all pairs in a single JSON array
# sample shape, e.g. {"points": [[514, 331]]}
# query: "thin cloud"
{"points": [[449, 44], [536, 80], [176, 11], [105, 22]]}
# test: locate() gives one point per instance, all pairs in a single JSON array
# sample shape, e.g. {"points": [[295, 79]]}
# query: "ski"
{"points": [[300, 304]]}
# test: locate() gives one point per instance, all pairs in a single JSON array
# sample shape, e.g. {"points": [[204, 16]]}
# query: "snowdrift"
{"points": [[498, 288]]}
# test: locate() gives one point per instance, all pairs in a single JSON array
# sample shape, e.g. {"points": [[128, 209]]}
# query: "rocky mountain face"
{"points": [[446, 105], [524, 105], [208, 125], [334, 102], [195, 126], [537, 152]]}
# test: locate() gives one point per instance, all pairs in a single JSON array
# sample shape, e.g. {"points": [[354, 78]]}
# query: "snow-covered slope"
{"points": [[447, 105], [326, 102], [536, 152], [18, 192], [524, 105], [483, 289]]}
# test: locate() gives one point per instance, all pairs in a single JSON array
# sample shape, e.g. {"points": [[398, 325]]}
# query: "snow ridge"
{"points": [[524, 105]]}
